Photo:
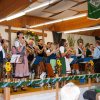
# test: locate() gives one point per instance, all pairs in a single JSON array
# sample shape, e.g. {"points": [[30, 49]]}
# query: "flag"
{"points": [[94, 9]]}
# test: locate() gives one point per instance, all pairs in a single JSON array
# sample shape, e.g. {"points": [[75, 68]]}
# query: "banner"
{"points": [[94, 9], [56, 37]]}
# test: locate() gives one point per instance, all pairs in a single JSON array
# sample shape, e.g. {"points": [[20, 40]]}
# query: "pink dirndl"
{"points": [[22, 70]]}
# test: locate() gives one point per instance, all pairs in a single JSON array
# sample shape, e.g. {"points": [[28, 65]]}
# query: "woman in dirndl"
{"points": [[63, 60], [51, 58], [39, 60], [21, 69]]}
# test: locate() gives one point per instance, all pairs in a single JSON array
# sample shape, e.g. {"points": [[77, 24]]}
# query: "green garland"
{"points": [[48, 80], [32, 34]]}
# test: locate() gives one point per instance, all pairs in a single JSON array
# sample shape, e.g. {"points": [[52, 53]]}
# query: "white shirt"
{"points": [[17, 44], [48, 51], [62, 49], [77, 52], [96, 54], [1, 49], [4, 55]]}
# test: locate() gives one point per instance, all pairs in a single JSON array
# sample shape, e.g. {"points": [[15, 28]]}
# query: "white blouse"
{"points": [[48, 51], [62, 49], [1, 49], [77, 53], [17, 44]]}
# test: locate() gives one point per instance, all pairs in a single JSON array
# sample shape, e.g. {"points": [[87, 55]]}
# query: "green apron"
{"points": [[62, 60], [53, 64], [63, 63]]}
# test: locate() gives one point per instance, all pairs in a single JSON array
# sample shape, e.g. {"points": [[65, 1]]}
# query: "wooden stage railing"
{"points": [[56, 80]]}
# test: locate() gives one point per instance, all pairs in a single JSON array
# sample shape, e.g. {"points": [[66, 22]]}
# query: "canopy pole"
{"points": [[43, 36], [57, 88], [7, 93], [89, 81], [9, 37]]}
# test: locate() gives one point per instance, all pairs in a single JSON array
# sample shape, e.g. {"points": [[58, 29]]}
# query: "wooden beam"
{"points": [[96, 33], [76, 24], [25, 20], [8, 7], [76, 0], [89, 33], [84, 11], [37, 33]]}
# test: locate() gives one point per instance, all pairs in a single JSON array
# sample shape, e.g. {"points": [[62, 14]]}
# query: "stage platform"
{"points": [[43, 93]]}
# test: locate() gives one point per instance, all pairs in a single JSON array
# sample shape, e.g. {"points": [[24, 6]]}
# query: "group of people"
{"points": [[3, 50], [42, 57]]}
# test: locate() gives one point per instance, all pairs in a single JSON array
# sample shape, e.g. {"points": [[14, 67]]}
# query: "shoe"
{"points": [[43, 75], [15, 89], [23, 88], [97, 80]]}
